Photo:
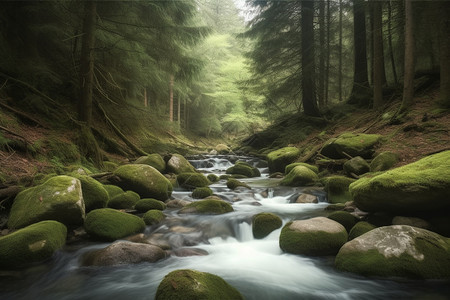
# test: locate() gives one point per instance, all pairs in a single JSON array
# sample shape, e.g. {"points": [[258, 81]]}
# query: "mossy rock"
{"points": [[344, 218], [357, 166], [351, 144], [155, 160], [289, 167], [318, 236], [337, 189], [222, 149], [300, 176], [212, 177], [126, 200], [207, 207], [422, 186], [243, 169], [144, 180], [384, 161], [233, 183], [397, 251], [60, 198], [359, 229], [193, 285], [34, 243], [178, 164], [190, 181], [94, 194], [279, 159], [108, 224], [202, 192], [109, 166], [153, 217], [113, 190], [147, 204], [264, 223]]}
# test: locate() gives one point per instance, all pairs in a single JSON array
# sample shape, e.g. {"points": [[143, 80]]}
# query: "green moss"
{"points": [[125, 200], [344, 218], [351, 144], [109, 166], [94, 194], [289, 167], [264, 223], [113, 190], [243, 169], [153, 217], [422, 186], [208, 207], [178, 164], [357, 166], [359, 229], [384, 161], [144, 205], [62, 151], [193, 285], [233, 183], [279, 159], [337, 188], [212, 177], [108, 224], [202, 192], [224, 177], [300, 176], [191, 181], [31, 244], [155, 160], [222, 149]]}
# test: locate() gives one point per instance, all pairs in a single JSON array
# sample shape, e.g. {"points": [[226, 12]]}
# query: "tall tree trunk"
{"points": [[360, 90], [171, 98], [321, 94], [327, 76], [391, 49], [408, 84], [179, 111], [378, 58], [145, 98], [445, 54], [308, 66], [340, 51]]}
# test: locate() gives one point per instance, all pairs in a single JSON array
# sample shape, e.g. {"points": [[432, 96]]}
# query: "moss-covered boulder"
{"points": [[337, 189], [233, 183], [60, 198], [359, 229], [344, 218], [147, 204], [289, 167], [316, 237], [113, 190], [222, 149], [351, 144], [126, 200], [34, 243], [264, 223], [94, 194], [155, 160], [144, 180], [384, 161], [178, 164], [193, 285], [422, 186], [243, 169], [212, 177], [109, 166], [207, 207], [122, 253], [107, 224], [356, 166], [153, 217], [397, 251], [279, 159], [202, 192], [191, 181], [300, 176]]}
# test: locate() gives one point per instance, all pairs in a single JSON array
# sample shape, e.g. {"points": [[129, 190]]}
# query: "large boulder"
{"points": [[207, 207], [337, 189], [384, 161], [351, 144], [243, 169], [300, 176], [94, 193], [356, 166], [397, 251], [191, 181], [178, 164], [144, 180], [193, 285], [279, 159], [264, 223], [422, 186], [289, 167], [147, 204], [31, 244], [113, 190], [125, 200], [316, 237], [122, 253], [233, 184], [153, 217], [155, 160], [60, 198], [201, 192], [359, 229], [107, 224]]}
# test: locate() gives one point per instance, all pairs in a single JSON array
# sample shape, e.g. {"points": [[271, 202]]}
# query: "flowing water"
{"points": [[257, 268]]}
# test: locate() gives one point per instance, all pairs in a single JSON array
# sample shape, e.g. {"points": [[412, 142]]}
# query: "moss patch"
{"points": [[155, 160], [359, 229], [300, 176], [243, 169], [125, 200], [190, 181], [113, 190], [264, 223], [233, 183], [94, 194], [153, 217], [351, 144], [178, 164], [344, 218], [289, 167], [147, 204], [279, 159], [384, 161], [207, 207], [202, 192], [337, 189]]}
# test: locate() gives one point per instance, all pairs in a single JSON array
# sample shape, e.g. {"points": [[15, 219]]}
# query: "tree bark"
{"points": [[445, 54], [321, 94], [171, 99], [378, 58], [391, 49], [408, 84], [327, 75], [340, 51], [308, 66]]}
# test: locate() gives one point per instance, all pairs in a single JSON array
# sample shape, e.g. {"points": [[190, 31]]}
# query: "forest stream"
{"points": [[257, 268]]}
